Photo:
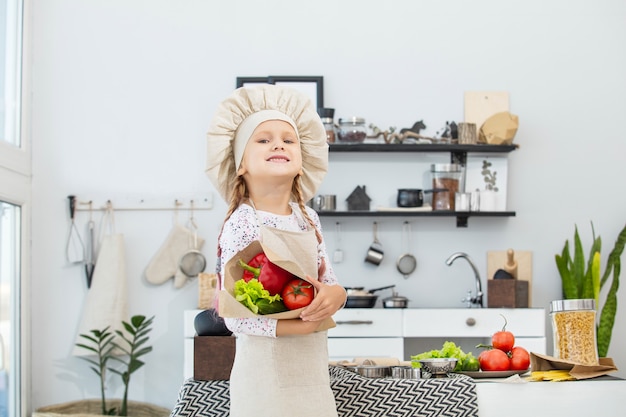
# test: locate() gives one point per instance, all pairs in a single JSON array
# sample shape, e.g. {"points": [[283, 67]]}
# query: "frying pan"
{"points": [[360, 298], [406, 263]]}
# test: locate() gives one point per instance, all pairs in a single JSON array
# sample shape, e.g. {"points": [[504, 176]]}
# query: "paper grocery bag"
{"points": [[546, 363], [228, 304]]}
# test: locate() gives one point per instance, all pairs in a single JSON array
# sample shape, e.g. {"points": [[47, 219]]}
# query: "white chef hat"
{"points": [[237, 117]]}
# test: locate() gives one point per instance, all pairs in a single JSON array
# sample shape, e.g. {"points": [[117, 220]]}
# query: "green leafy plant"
{"points": [[102, 343], [582, 278], [489, 177]]}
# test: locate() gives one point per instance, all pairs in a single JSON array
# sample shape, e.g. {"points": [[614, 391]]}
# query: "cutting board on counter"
{"points": [[498, 259]]}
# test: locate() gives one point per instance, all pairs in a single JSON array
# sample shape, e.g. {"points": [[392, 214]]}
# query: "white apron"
{"points": [[285, 376]]}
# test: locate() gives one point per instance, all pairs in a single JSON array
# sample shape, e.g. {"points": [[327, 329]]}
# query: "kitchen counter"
{"points": [[465, 397], [603, 396]]}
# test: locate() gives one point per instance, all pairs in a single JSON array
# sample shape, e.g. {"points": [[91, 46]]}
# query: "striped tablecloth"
{"points": [[355, 396]]}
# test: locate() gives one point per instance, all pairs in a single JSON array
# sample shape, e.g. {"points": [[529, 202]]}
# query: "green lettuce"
{"points": [[249, 293], [466, 361]]}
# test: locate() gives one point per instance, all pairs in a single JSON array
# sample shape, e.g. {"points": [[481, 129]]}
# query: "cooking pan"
{"points": [[360, 298], [414, 197], [375, 252]]}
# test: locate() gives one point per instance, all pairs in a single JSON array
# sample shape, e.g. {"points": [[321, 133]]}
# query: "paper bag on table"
{"points": [[228, 304], [499, 129], [546, 363]]}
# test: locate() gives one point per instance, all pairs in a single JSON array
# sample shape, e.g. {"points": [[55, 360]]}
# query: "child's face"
{"points": [[272, 150]]}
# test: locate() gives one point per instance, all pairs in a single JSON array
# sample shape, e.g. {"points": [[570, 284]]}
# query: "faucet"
{"points": [[478, 299]]}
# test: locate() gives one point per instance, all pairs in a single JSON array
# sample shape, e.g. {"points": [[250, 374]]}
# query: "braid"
{"points": [[296, 191], [239, 193]]}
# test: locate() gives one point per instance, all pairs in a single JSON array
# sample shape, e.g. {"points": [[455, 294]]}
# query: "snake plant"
{"points": [[583, 279]]}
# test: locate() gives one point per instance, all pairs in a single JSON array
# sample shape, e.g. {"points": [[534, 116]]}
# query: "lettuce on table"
{"points": [[466, 361]]}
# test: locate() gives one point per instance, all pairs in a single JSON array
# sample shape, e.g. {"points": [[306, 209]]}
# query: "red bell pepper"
{"points": [[273, 277]]}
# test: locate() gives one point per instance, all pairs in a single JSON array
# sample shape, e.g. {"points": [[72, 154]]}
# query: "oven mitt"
{"points": [[164, 264]]}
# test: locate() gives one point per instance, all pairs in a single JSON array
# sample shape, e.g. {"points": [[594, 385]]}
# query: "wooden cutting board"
{"points": [[497, 260], [480, 105]]}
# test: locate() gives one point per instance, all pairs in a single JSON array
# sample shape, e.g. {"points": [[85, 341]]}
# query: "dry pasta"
{"points": [[575, 336]]}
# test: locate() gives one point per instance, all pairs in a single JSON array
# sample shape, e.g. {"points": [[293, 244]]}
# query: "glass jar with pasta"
{"points": [[574, 330]]}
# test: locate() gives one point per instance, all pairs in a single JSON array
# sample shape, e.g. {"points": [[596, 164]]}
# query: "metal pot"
{"points": [[374, 371], [395, 301], [359, 298], [414, 197]]}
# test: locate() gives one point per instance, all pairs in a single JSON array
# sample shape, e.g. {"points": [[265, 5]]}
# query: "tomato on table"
{"points": [[494, 360], [520, 359], [503, 339]]}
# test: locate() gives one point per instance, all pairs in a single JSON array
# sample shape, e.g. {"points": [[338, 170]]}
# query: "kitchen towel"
{"points": [[107, 299]]}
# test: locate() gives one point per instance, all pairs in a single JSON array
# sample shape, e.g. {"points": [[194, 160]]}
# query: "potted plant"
{"points": [[126, 353], [582, 278]]}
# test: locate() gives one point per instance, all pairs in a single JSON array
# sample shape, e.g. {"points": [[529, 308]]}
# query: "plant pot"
{"points": [[93, 407]]}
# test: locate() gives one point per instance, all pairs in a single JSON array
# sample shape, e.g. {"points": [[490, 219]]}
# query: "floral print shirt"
{"points": [[241, 229]]}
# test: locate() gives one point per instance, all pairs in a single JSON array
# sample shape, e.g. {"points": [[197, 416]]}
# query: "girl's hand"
{"points": [[328, 300]]}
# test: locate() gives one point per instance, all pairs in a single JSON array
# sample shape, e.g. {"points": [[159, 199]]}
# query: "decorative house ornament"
{"points": [[358, 199]]}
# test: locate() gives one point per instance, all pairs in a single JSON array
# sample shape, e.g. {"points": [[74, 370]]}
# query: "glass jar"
{"points": [[352, 130], [327, 115], [446, 179], [574, 330]]}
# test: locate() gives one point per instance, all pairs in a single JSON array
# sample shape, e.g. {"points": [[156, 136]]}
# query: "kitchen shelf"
{"points": [[461, 216], [458, 154], [398, 147]]}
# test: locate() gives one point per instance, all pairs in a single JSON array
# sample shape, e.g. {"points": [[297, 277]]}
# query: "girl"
{"points": [[267, 154]]}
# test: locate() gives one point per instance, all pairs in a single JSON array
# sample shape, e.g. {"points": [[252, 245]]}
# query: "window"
{"points": [[15, 188]]}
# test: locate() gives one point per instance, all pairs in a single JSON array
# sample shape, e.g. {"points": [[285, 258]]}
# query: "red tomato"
{"points": [[297, 294], [503, 340], [520, 359], [493, 360]]}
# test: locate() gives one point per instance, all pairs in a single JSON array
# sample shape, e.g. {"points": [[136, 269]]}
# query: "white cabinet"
{"points": [[366, 332], [456, 324], [387, 332], [381, 332]]}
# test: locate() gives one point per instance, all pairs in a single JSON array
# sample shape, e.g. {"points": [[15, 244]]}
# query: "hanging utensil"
{"points": [[74, 248], [375, 252], [90, 261], [338, 254], [406, 263], [193, 261]]}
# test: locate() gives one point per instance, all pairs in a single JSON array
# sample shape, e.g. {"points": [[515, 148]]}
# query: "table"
{"points": [[355, 396], [602, 396]]}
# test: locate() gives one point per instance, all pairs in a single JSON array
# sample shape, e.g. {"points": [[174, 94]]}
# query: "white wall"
{"points": [[123, 91]]}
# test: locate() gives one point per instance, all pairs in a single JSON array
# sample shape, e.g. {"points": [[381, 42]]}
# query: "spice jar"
{"points": [[574, 330], [446, 179], [327, 115], [352, 130]]}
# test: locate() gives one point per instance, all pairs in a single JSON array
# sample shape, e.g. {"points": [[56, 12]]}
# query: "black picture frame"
{"points": [[313, 86], [243, 81]]}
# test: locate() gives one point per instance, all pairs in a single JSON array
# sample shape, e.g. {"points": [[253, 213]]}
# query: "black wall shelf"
{"points": [[398, 147], [461, 216]]}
